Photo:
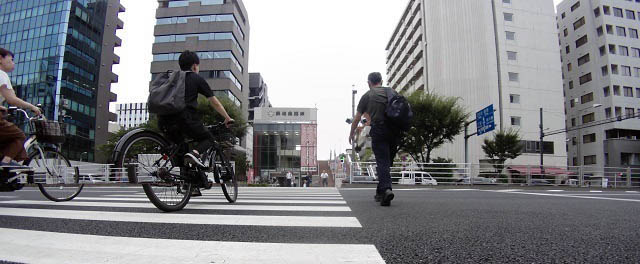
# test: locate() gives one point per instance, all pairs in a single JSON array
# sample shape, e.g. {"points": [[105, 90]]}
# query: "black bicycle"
{"points": [[151, 159]]}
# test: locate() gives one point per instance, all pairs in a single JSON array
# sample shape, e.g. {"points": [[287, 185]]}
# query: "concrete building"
{"points": [[218, 31], [500, 52], [132, 115], [601, 68], [284, 139], [258, 95], [64, 54]]}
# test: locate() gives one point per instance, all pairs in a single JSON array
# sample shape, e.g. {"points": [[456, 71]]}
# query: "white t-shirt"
{"points": [[288, 175], [324, 175], [4, 81]]}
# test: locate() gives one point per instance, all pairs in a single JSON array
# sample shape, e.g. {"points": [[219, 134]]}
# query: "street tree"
{"points": [[436, 120], [505, 145]]}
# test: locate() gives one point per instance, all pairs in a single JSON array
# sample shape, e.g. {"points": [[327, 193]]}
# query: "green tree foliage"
{"points": [[442, 168], [504, 145], [436, 120], [211, 117], [107, 149]]}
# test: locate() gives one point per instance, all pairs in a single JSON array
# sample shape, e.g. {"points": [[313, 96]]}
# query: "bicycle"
{"points": [[152, 160], [48, 167]]}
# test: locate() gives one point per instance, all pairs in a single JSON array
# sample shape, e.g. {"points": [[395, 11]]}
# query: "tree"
{"points": [[436, 120], [504, 145], [442, 169], [211, 117], [107, 148]]}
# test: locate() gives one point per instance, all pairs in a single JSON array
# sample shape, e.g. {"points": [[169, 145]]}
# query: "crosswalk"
{"points": [[120, 225]]}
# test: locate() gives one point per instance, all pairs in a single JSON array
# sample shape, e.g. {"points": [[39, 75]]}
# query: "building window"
{"points": [[584, 59], [627, 159], [589, 138], [588, 118], [606, 10], [596, 12], [603, 50], [565, 32], [585, 78], [633, 33], [638, 92], [614, 69], [510, 35], [636, 72], [575, 6], [516, 120], [514, 98], [570, 85], [572, 103], [600, 31], [573, 122], [569, 68], [630, 112], [508, 17], [621, 31], [514, 77], [628, 91], [616, 90], [631, 14], [607, 91], [579, 23], [567, 49], [278, 113], [581, 41], [617, 12], [590, 160], [605, 70], [626, 70], [607, 112], [618, 111], [586, 98], [506, 1], [624, 51], [609, 29], [635, 52], [512, 55]]}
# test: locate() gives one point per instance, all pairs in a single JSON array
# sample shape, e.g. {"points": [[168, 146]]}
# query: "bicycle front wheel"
{"points": [[54, 175], [226, 176], [145, 153]]}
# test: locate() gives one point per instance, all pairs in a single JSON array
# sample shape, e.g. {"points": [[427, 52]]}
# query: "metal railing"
{"points": [[506, 175]]}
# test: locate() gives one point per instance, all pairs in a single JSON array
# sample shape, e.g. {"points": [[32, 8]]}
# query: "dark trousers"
{"points": [[187, 123], [384, 142], [11, 141]]}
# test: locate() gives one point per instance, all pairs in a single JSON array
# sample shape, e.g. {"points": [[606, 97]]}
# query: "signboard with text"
{"points": [[485, 120]]}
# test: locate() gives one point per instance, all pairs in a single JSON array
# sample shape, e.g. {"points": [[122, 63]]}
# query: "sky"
{"points": [[310, 54]]}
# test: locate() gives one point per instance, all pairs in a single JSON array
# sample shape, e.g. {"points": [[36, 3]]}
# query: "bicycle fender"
{"points": [[118, 148]]}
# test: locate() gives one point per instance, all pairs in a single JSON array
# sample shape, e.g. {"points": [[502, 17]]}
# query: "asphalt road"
{"points": [[318, 225]]}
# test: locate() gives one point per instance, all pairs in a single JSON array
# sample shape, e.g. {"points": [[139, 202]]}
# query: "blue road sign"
{"points": [[485, 120]]}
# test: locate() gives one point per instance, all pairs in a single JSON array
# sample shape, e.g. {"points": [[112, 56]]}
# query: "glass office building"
{"points": [[63, 54]]}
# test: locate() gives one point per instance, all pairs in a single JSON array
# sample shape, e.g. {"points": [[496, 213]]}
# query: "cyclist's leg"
{"points": [[11, 140], [194, 129]]}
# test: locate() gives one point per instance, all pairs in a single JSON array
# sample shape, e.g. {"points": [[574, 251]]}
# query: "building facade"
{"points": [[284, 139], [600, 50], [64, 54], [132, 114], [258, 94], [494, 52], [218, 31]]}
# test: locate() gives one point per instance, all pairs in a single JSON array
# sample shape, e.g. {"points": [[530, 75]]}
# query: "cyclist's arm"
{"points": [[220, 109], [12, 99]]}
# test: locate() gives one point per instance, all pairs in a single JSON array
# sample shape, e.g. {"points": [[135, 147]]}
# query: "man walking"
{"points": [[383, 135], [289, 179], [325, 178]]}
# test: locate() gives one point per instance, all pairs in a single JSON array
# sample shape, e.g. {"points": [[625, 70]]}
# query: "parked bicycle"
{"points": [[167, 180], [49, 168]]}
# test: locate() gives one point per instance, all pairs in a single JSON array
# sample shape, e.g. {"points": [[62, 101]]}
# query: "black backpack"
{"points": [[166, 93], [398, 111]]}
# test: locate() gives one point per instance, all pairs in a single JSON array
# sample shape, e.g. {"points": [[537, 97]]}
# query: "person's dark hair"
{"points": [[188, 59], [4, 53], [375, 78]]}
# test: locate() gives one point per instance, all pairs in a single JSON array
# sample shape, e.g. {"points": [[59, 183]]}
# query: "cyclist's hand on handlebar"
{"points": [[36, 110], [228, 121]]}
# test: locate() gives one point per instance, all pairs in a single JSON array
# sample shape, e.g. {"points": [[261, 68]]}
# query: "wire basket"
{"points": [[47, 131]]}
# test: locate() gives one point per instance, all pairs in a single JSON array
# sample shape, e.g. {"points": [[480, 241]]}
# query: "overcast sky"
{"points": [[310, 53]]}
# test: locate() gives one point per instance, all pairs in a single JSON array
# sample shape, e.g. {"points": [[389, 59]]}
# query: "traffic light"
{"points": [[342, 158]]}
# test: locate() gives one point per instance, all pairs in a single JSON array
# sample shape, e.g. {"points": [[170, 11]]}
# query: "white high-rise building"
{"points": [[601, 67], [132, 115], [500, 52]]}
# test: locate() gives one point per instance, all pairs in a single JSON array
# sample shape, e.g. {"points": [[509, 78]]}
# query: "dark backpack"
{"points": [[398, 111], [166, 93]]}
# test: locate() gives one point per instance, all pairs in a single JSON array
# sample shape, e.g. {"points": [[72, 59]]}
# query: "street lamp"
{"points": [[353, 117], [579, 139]]}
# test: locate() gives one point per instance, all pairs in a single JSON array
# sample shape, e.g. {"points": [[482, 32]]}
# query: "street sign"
{"points": [[485, 120]]}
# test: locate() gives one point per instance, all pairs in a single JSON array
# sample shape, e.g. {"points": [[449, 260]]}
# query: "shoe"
{"points": [[196, 192], [377, 197], [386, 198], [14, 166], [194, 158]]}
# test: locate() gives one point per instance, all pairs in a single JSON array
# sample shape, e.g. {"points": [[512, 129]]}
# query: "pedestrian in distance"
{"points": [[289, 179], [325, 178], [384, 136], [11, 137]]}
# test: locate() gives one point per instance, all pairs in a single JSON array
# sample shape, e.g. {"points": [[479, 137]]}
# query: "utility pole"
{"points": [[541, 140], [353, 116]]}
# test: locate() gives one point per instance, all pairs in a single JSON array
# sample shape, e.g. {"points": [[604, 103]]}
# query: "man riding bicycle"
{"points": [[11, 137], [189, 122]]}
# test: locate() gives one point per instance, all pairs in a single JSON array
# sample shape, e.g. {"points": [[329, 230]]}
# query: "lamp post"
{"points": [[353, 116], [579, 139]]}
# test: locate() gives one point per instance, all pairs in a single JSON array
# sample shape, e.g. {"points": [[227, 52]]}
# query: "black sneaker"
{"points": [[196, 192], [194, 158], [386, 198]]}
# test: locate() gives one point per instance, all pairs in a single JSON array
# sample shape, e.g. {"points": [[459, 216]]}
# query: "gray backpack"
{"points": [[166, 93]]}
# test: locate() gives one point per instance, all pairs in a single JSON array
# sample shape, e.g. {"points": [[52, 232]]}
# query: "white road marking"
{"points": [[209, 200], [631, 191], [555, 190], [235, 207], [574, 196], [595, 191], [8, 197], [240, 196], [198, 219], [453, 190], [510, 190], [37, 247]]}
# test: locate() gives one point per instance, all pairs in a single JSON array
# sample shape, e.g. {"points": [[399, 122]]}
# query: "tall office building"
{"points": [[131, 115], [218, 31], [258, 94], [601, 67], [64, 55], [500, 52]]}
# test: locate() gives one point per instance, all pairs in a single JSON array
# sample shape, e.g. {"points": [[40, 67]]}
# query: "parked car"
{"points": [[540, 182], [476, 180]]}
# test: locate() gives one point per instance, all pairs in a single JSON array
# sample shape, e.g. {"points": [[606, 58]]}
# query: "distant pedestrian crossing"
{"points": [[266, 225]]}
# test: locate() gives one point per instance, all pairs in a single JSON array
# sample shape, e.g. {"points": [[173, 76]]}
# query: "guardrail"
{"points": [[508, 175]]}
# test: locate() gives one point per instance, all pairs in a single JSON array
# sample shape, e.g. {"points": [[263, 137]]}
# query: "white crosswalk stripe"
{"points": [[256, 208]]}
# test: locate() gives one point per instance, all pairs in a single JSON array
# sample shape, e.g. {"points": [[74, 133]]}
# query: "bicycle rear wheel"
{"points": [[146, 154], [225, 175], [56, 178]]}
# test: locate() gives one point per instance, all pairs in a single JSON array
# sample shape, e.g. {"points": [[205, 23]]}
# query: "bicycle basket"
{"points": [[47, 131]]}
